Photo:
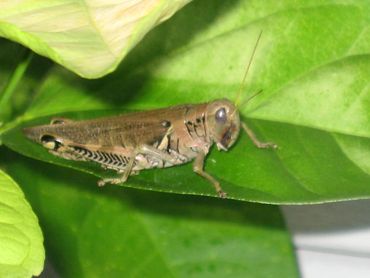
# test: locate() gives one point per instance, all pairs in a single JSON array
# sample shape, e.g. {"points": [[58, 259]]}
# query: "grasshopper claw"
{"points": [[222, 194]]}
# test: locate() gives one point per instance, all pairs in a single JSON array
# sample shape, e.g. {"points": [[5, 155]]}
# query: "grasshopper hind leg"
{"points": [[125, 173], [67, 155], [158, 158]]}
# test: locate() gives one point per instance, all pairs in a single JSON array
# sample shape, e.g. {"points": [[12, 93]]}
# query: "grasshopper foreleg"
{"points": [[256, 142], [198, 168]]}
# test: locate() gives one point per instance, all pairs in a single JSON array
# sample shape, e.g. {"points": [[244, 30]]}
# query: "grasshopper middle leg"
{"points": [[198, 168]]}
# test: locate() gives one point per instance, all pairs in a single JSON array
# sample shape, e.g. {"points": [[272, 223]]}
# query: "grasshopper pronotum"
{"points": [[151, 139]]}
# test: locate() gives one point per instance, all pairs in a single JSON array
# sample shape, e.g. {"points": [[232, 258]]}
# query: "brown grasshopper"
{"points": [[151, 139]]}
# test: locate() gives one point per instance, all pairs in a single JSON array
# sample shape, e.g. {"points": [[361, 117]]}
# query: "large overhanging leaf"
{"points": [[22, 252], [315, 103], [89, 37]]}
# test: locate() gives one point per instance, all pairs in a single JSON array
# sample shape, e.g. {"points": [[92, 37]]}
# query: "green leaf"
{"points": [[89, 38], [315, 101], [17, 85], [8, 91], [22, 252], [94, 232]]}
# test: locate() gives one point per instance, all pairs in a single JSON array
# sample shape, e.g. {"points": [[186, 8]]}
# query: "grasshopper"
{"points": [[150, 139]]}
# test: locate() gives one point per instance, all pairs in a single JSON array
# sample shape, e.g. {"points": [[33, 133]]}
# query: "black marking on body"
{"points": [[204, 125], [156, 141], [108, 159], [173, 145], [226, 137], [196, 131], [45, 139], [188, 125], [193, 127], [166, 124], [177, 145], [168, 148]]}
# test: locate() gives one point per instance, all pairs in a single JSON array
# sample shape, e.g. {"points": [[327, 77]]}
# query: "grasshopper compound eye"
{"points": [[221, 116]]}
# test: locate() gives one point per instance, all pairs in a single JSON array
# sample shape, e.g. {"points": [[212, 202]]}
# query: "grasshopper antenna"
{"points": [[250, 98], [242, 85]]}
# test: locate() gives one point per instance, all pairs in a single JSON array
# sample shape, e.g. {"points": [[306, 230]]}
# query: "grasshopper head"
{"points": [[223, 123]]}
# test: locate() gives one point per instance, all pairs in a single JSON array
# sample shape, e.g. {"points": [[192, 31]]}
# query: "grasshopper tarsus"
{"points": [[101, 183], [222, 194], [115, 181], [268, 145]]}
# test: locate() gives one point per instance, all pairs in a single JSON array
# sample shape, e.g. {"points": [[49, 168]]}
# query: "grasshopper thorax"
{"points": [[223, 123]]}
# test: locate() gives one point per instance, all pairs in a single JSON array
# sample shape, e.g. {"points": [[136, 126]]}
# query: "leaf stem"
{"points": [[13, 81]]}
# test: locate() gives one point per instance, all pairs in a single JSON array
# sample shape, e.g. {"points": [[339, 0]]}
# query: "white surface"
{"points": [[331, 240], [318, 264]]}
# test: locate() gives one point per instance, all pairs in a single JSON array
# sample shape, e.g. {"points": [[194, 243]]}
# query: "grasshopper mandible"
{"points": [[151, 139]]}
